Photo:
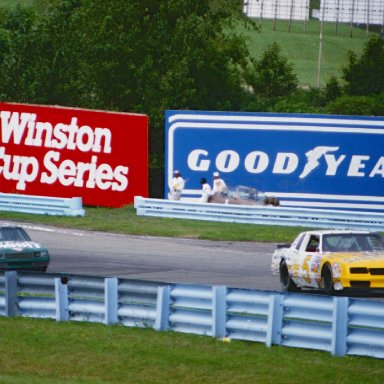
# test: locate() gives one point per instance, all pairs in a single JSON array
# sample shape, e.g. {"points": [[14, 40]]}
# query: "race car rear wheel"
{"points": [[327, 279], [275, 201], [287, 284]]}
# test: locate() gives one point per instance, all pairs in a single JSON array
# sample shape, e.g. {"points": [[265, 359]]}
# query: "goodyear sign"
{"points": [[305, 160]]}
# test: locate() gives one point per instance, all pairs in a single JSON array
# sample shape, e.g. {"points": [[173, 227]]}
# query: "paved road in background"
{"points": [[234, 264]]}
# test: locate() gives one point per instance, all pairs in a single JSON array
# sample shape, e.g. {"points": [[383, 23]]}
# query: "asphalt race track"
{"points": [[233, 264]]}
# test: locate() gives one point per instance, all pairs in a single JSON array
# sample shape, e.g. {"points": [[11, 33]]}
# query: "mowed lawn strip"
{"points": [[45, 351]]}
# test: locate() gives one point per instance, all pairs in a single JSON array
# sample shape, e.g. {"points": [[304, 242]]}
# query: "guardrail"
{"points": [[42, 205], [266, 215], [339, 325]]}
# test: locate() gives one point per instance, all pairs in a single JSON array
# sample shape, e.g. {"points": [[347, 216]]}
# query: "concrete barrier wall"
{"points": [[42, 205], [265, 215]]}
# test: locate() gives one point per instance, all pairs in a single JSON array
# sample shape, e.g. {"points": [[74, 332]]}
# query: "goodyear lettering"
{"points": [[257, 162]]}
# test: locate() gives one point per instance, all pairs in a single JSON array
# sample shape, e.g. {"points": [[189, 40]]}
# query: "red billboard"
{"points": [[69, 152]]}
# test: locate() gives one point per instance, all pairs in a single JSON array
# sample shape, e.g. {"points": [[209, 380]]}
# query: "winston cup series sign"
{"points": [[67, 152], [316, 161]]}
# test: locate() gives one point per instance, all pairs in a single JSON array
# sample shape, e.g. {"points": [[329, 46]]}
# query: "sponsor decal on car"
{"points": [[19, 246]]}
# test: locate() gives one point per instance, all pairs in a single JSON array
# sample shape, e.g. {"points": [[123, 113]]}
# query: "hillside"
{"points": [[300, 45]]}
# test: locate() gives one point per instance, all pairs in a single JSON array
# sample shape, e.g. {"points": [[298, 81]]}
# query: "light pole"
{"points": [[320, 44]]}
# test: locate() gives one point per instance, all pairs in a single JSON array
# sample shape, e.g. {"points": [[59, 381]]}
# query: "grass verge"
{"points": [[125, 220], [70, 352]]}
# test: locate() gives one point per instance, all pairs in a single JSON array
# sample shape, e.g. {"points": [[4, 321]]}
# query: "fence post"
{"points": [[11, 293], [162, 308], [61, 298], [275, 320], [219, 311], [111, 300], [339, 326]]}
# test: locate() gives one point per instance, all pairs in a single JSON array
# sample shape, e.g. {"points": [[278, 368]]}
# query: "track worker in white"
{"points": [[177, 186]]}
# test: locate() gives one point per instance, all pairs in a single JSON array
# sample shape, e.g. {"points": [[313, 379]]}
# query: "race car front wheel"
{"points": [[287, 284], [327, 279]]}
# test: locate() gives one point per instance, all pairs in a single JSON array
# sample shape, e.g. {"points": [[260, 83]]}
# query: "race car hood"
{"points": [[357, 258], [18, 246]]}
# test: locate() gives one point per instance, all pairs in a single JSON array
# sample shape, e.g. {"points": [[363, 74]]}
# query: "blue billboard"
{"points": [[319, 161]]}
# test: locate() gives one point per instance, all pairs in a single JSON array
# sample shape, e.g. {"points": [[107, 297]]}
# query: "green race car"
{"points": [[19, 252]]}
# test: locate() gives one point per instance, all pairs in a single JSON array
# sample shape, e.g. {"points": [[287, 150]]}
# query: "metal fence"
{"points": [[265, 215], [42, 205], [339, 325]]}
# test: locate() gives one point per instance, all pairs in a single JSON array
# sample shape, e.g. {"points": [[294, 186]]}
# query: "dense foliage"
{"points": [[365, 75], [139, 56], [271, 76]]}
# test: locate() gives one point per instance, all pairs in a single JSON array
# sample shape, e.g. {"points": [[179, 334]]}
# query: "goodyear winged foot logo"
{"points": [[313, 157], [257, 162]]}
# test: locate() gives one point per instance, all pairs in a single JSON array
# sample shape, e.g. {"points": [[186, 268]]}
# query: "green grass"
{"points": [[125, 220], [45, 351], [302, 47]]}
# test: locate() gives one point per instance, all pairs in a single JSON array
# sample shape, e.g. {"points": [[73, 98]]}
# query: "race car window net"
{"points": [[352, 243], [13, 234], [313, 244]]}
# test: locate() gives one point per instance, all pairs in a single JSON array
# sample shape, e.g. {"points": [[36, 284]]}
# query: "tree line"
{"points": [[147, 56]]}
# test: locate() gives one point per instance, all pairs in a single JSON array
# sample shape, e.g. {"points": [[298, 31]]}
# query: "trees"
{"points": [[363, 90], [357, 105], [147, 56], [270, 79], [16, 71], [364, 76], [272, 75], [139, 56]]}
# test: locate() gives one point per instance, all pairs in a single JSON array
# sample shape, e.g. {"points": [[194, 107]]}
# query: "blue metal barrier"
{"points": [[265, 215], [339, 325], [42, 205]]}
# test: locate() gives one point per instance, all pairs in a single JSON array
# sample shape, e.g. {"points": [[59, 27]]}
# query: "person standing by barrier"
{"points": [[177, 186], [206, 191]]}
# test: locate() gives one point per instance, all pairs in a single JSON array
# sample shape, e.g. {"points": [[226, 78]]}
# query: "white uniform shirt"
{"points": [[178, 184], [177, 187], [219, 185], [206, 191]]}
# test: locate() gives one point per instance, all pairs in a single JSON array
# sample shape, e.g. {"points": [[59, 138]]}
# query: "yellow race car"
{"points": [[331, 260]]}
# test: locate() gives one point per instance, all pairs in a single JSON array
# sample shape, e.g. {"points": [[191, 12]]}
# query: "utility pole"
{"points": [[320, 44]]}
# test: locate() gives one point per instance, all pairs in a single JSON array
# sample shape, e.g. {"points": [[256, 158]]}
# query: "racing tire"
{"points": [[287, 284], [275, 202], [327, 280]]}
